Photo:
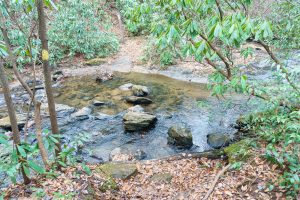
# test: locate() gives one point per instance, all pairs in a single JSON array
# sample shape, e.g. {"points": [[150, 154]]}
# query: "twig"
{"points": [[215, 182]]}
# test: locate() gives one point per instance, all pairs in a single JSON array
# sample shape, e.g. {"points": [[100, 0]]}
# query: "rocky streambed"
{"points": [[137, 116]]}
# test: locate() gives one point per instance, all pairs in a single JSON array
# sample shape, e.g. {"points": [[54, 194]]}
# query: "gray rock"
{"points": [[126, 87], [62, 110], [135, 121], [101, 116], [5, 122], [136, 108], [139, 155], [82, 114], [117, 155], [138, 100], [217, 141], [98, 103], [180, 136], [118, 170], [140, 91]]}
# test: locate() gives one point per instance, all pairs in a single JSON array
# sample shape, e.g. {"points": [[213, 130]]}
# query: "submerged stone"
{"points": [[98, 103], [140, 90], [138, 100], [118, 170], [136, 108], [126, 87], [216, 140], [135, 121], [180, 136]]}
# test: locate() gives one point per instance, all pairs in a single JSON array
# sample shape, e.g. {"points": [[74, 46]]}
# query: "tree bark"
{"points": [[12, 58], [12, 116], [46, 71], [39, 136]]}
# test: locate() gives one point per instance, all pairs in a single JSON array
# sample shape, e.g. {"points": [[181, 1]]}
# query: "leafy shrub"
{"points": [[280, 127], [135, 24], [286, 20], [75, 29]]}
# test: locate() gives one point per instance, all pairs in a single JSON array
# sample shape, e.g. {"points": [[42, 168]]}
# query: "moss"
{"points": [[95, 61], [109, 184], [118, 170], [238, 151]]}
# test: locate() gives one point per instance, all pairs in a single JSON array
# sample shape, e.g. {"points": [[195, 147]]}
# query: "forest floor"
{"points": [[187, 178]]}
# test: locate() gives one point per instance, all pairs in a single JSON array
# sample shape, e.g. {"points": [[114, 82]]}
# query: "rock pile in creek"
{"points": [[136, 119]]}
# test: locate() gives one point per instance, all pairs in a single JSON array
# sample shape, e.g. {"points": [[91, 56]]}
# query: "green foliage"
{"points": [[79, 27], [38, 192], [280, 127], [136, 14], [286, 20]]}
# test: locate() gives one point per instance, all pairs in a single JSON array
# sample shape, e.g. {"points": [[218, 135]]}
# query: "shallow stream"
{"points": [[175, 102]]}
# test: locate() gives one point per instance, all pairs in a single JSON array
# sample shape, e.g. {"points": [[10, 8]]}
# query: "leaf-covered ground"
{"points": [[188, 178]]}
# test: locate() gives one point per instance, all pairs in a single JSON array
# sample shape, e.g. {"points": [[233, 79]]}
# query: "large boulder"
{"points": [[217, 141], [180, 136], [5, 122], [118, 170], [140, 90], [137, 121], [138, 100]]}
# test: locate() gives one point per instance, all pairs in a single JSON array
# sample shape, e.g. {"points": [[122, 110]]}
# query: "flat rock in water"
{"points": [[62, 110], [5, 122], [82, 114], [180, 136], [126, 87], [216, 140], [119, 170], [135, 121], [138, 100], [140, 90]]}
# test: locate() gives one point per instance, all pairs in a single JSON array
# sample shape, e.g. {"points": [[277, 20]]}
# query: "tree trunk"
{"points": [[39, 136], [12, 58], [46, 71], [12, 116]]}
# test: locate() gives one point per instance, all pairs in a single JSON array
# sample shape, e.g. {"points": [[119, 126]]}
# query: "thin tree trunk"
{"points": [[12, 116], [13, 60], [47, 74], [39, 137]]}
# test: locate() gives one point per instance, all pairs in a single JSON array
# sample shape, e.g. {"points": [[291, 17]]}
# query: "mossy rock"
{"points": [[118, 170], [95, 61], [109, 184], [238, 151], [162, 178]]}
